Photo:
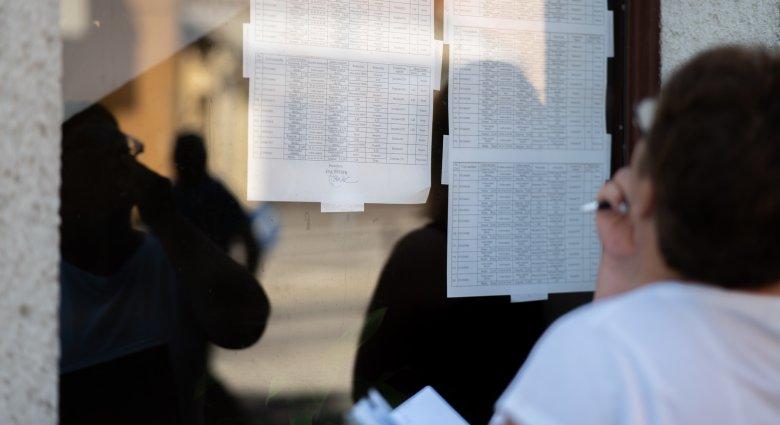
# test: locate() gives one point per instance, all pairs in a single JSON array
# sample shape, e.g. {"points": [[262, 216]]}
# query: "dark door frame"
{"points": [[637, 66]]}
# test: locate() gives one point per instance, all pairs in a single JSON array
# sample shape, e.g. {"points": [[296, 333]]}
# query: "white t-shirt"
{"points": [[667, 353]]}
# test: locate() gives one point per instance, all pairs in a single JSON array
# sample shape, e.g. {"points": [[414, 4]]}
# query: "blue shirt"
{"points": [[141, 306]]}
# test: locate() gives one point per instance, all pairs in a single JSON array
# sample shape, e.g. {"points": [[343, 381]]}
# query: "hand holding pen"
{"points": [[616, 232]]}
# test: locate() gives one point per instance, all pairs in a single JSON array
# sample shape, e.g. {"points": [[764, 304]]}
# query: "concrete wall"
{"points": [[688, 26], [30, 107]]}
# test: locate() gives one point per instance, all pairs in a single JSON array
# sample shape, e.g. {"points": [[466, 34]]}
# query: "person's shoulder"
{"points": [[598, 319], [221, 191], [603, 357], [582, 360], [417, 263], [647, 299], [207, 185], [216, 183], [426, 246], [423, 240], [641, 317]]}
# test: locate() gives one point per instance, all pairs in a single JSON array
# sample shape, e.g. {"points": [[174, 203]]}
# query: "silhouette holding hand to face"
{"points": [[138, 308]]}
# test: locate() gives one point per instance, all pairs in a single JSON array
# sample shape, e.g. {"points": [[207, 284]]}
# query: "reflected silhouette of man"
{"points": [[209, 206], [137, 308], [207, 203]]}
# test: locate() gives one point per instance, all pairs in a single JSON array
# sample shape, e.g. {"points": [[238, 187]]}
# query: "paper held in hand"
{"points": [[424, 408]]}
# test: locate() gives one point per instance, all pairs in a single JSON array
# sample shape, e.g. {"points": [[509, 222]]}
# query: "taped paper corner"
{"points": [[326, 207]]}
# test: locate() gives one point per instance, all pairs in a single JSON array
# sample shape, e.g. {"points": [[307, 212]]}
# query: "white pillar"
{"points": [[689, 26], [30, 115]]}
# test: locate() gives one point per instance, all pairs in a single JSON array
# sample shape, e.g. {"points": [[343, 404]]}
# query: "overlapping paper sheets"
{"points": [[340, 101], [527, 144]]}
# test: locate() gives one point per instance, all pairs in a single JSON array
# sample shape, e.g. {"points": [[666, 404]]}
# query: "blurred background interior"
{"points": [[167, 66]]}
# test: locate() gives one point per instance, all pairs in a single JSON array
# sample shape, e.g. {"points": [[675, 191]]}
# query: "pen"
{"points": [[603, 205]]}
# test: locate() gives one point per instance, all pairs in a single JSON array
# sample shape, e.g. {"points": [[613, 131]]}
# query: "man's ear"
{"points": [[645, 198]]}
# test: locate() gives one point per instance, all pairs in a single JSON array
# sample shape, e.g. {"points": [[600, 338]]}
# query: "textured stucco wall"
{"points": [[30, 112], [689, 26]]}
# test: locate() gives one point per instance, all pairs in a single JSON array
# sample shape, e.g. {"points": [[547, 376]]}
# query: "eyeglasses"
{"points": [[134, 146], [644, 115]]}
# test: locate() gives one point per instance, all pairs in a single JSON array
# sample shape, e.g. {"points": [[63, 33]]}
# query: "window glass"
{"points": [[163, 68], [182, 302]]}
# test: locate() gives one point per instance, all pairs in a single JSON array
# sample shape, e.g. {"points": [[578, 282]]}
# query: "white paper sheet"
{"points": [[445, 160], [581, 12], [515, 226], [446, 23], [526, 87], [340, 102], [246, 62], [425, 408], [527, 145], [397, 27], [610, 34], [338, 126], [337, 208], [370, 410]]}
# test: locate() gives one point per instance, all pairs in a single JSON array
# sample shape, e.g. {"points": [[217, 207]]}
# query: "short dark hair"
{"points": [[93, 128], [94, 115], [713, 156]]}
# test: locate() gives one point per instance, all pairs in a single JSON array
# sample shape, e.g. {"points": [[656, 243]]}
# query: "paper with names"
{"points": [[521, 85], [340, 102], [382, 27], [588, 12], [515, 225], [527, 145]]}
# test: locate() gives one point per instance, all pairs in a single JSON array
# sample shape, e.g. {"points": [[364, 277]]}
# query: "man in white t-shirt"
{"points": [[686, 328]]}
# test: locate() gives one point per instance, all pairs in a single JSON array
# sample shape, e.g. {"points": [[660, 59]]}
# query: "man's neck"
{"points": [[660, 273], [652, 266]]}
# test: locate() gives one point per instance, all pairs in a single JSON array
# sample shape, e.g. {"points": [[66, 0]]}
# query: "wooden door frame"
{"points": [[638, 62]]}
